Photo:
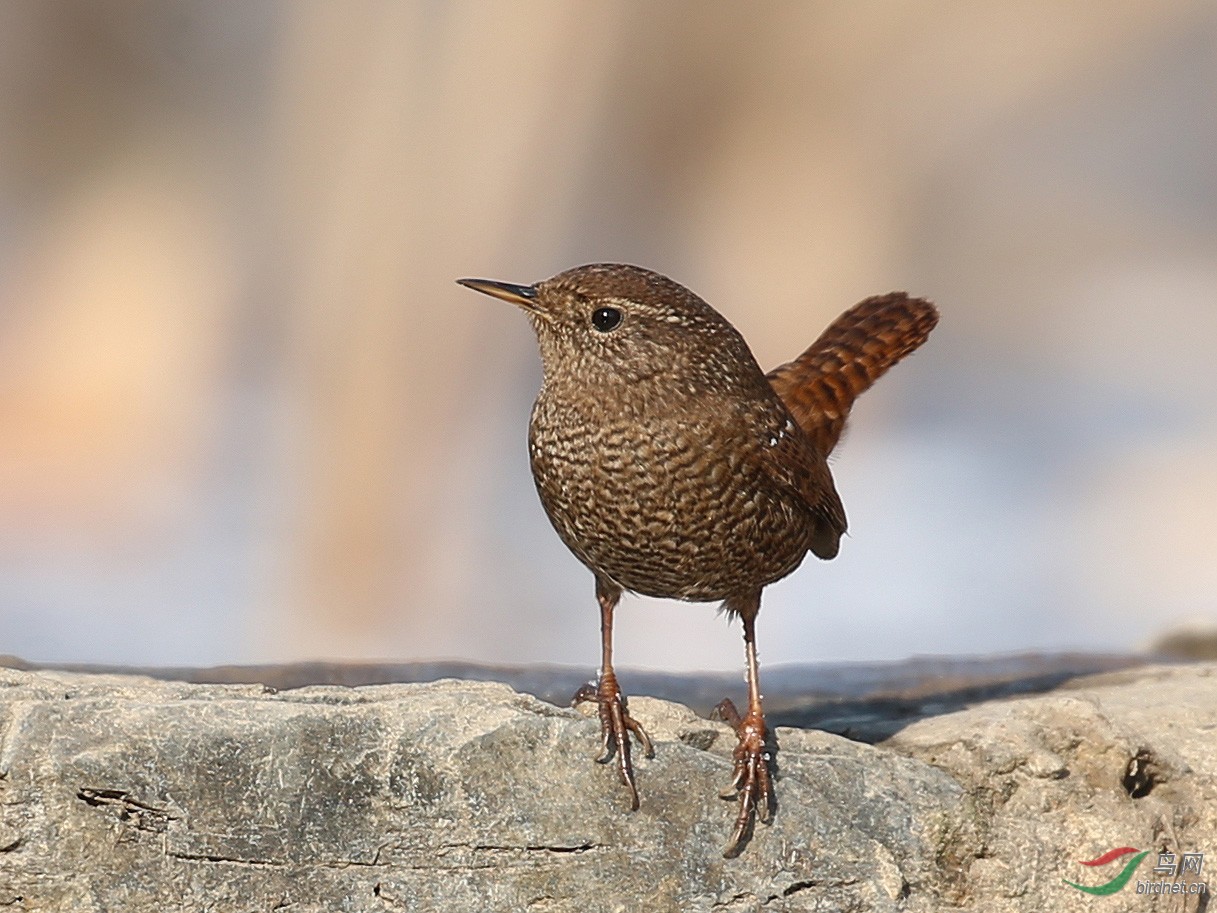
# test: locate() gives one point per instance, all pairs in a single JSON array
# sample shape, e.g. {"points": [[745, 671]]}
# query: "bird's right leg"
{"points": [[616, 724]]}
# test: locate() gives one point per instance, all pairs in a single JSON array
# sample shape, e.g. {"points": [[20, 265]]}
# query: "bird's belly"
{"points": [[667, 516]]}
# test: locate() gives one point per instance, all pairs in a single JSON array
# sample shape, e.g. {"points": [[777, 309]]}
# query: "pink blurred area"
{"points": [[246, 415]]}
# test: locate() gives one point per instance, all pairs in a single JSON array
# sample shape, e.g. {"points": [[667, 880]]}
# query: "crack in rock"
{"points": [[142, 815]]}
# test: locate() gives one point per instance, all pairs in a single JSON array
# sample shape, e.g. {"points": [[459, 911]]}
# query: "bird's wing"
{"points": [[795, 460], [820, 386], [790, 462]]}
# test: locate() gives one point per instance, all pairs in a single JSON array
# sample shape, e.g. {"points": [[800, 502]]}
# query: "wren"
{"points": [[671, 465]]}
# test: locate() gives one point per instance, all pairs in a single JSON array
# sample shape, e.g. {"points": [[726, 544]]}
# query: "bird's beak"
{"points": [[524, 296]]}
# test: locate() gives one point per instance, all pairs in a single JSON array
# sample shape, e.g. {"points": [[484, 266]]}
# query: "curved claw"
{"points": [[751, 780], [616, 725], [724, 710]]}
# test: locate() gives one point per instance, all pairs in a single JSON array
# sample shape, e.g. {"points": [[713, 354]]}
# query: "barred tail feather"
{"points": [[820, 386]]}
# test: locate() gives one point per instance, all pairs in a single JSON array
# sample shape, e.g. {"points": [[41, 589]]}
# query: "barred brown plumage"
{"points": [[670, 465], [820, 385]]}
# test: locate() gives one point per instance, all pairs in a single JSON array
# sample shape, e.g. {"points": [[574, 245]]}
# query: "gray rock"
{"points": [[126, 793], [1124, 759], [865, 701]]}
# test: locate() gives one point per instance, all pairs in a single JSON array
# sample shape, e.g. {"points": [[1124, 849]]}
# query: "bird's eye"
{"points": [[606, 319]]}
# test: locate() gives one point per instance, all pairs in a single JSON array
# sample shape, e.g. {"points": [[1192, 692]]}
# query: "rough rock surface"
{"points": [[125, 793], [865, 701]]}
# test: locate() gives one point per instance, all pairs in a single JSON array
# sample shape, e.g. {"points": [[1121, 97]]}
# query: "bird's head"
{"points": [[611, 323]]}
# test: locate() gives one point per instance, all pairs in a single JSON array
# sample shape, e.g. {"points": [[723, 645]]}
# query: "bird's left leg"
{"points": [[616, 724], [751, 780]]}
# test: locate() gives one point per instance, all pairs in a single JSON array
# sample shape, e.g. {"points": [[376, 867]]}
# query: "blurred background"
{"points": [[246, 415]]}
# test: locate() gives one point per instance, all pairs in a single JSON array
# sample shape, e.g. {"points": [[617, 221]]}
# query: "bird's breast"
{"points": [[668, 503]]}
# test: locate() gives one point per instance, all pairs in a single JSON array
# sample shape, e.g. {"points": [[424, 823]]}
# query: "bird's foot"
{"points": [[751, 781], [616, 724]]}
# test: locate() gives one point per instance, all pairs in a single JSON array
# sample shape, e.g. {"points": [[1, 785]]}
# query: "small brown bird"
{"points": [[672, 466]]}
